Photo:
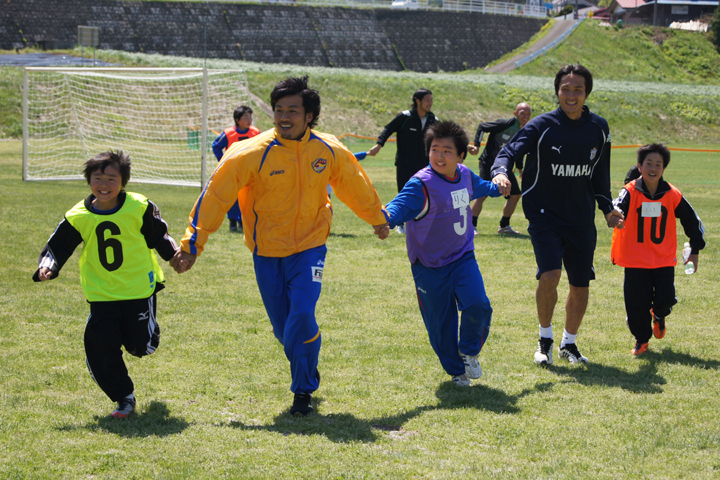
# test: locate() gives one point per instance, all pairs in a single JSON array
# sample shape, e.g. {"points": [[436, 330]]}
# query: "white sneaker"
{"points": [[400, 229], [461, 380], [472, 366], [508, 230], [543, 355], [571, 352]]}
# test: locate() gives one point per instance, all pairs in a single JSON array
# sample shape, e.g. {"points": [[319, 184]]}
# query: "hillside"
{"points": [[637, 53], [640, 87]]}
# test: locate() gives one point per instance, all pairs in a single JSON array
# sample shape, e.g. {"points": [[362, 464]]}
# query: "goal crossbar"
{"points": [[163, 117]]}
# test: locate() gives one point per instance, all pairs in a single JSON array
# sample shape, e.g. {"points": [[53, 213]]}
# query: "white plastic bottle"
{"points": [[689, 267]]}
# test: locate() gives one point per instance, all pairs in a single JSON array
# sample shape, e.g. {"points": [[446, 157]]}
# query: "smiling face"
{"points": [[424, 106], [106, 186], [651, 170], [571, 95], [523, 112], [444, 157], [244, 122], [291, 121]]}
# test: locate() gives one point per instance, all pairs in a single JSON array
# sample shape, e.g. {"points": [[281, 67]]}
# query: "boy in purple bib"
{"points": [[435, 207]]}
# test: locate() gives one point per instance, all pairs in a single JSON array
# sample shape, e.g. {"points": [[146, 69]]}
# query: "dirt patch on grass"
{"points": [[660, 35]]}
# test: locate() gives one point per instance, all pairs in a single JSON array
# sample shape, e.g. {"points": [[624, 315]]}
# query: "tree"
{"points": [[715, 29]]}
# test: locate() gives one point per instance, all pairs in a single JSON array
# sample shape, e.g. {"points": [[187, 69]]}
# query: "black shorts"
{"points": [[485, 175], [573, 247]]}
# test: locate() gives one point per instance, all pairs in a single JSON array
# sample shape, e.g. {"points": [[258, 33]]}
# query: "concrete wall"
{"points": [[339, 37]]}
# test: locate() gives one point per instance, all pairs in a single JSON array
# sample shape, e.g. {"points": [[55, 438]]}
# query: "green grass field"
{"points": [[213, 399]]}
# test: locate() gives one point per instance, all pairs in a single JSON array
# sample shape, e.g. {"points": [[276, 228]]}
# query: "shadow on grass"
{"points": [[344, 427], [155, 420], [513, 236], [644, 380], [667, 355], [342, 235]]}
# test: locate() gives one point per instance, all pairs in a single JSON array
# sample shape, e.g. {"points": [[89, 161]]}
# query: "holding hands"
{"points": [[382, 231], [615, 219], [503, 183], [182, 261]]}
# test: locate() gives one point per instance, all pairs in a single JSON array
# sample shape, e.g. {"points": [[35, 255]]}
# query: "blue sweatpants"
{"points": [[234, 212], [290, 288], [441, 292]]}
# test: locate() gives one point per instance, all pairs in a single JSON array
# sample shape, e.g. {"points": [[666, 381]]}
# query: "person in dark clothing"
{"points": [[566, 173], [500, 132], [410, 126], [646, 244]]}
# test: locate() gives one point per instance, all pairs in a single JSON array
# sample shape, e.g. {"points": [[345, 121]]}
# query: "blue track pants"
{"points": [[234, 212], [290, 288], [441, 292]]}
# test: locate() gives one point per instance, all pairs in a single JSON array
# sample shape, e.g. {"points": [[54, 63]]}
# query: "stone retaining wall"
{"points": [[340, 37]]}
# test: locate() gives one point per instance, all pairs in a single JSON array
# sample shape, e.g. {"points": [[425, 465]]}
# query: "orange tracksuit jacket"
{"points": [[281, 188]]}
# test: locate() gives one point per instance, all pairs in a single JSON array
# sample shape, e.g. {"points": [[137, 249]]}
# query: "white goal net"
{"points": [[166, 119]]}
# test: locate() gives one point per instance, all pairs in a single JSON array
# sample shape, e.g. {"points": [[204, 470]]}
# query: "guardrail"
{"points": [[476, 6], [549, 47]]}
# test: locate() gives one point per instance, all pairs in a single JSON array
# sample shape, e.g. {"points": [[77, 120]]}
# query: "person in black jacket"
{"points": [[567, 171], [410, 126], [500, 132]]}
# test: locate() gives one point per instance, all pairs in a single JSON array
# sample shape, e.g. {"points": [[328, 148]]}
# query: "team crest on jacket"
{"points": [[593, 152], [319, 165]]}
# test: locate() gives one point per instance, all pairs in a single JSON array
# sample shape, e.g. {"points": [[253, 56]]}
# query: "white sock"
{"points": [[546, 332], [567, 338], [131, 396]]}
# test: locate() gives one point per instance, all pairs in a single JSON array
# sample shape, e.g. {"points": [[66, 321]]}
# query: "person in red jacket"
{"points": [[646, 244], [242, 130]]}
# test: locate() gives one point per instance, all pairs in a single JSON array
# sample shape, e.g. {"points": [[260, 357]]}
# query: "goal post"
{"points": [[164, 118]]}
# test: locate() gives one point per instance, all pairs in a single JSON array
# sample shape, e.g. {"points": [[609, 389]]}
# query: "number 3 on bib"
{"points": [[461, 202]]}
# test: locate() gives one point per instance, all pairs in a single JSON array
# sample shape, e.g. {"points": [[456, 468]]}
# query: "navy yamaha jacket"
{"points": [[567, 168]]}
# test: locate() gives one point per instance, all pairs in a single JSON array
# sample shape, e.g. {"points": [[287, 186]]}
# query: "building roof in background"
{"points": [[629, 4]]}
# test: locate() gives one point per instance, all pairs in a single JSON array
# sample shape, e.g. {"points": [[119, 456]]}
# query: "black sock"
{"points": [[504, 222], [475, 221]]}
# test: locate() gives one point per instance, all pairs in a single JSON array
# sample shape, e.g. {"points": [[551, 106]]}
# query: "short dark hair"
{"points": [[240, 111], [660, 148], [419, 95], [101, 161], [447, 129], [298, 86], [577, 70]]}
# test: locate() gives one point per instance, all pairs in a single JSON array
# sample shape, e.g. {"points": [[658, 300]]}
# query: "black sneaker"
{"points": [[124, 408], [302, 405], [543, 355], [571, 352]]}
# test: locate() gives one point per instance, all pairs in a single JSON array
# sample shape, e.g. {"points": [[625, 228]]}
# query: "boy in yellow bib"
{"points": [[120, 274]]}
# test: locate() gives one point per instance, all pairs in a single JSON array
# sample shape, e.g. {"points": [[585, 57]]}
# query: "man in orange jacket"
{"points": [[280, 179]]}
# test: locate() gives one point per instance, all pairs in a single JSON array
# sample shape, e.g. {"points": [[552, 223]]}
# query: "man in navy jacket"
{"points": [[566, 172]]}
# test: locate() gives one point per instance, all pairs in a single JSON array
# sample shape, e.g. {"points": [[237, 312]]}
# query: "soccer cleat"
{"points": [[302, 405], [658, 325], [475, 231], [472, 366], [640, 348], [571, 352], [543, 355], [400, 229], [508, 230], [461, 380], [124, 408]]}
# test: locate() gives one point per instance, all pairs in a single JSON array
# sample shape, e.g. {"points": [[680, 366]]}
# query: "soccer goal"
{"points": [[165, 118]]}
